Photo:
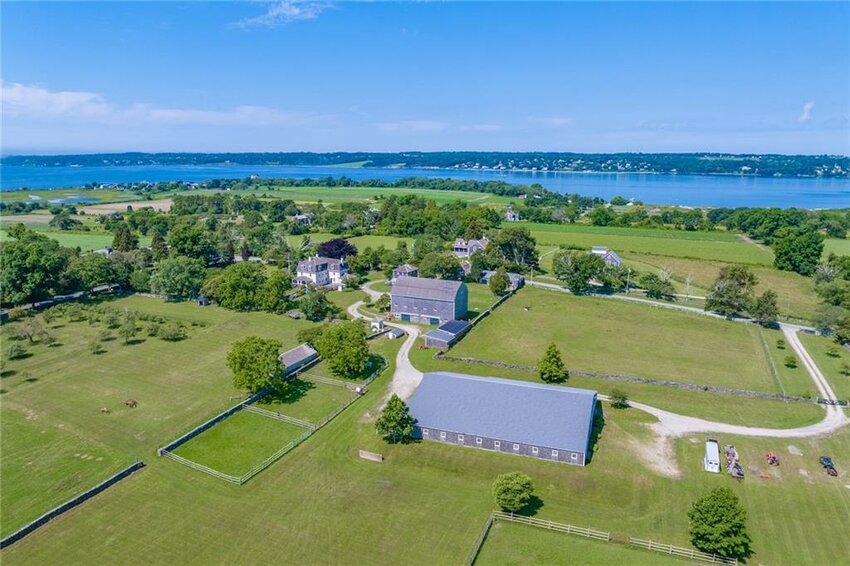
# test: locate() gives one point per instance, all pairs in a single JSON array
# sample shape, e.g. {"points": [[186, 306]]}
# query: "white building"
{"points": [[465, 248], [322, 272]]}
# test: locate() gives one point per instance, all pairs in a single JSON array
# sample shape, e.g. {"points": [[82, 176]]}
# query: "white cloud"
{"points": [[36, 102], [284, 12], [552, 121], [806, 114]]}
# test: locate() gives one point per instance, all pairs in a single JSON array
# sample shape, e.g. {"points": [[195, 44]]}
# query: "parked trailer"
{"points": [[711, 462]]}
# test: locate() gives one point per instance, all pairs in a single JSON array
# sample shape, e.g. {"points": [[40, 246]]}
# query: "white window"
{"points": [[425, 431], [554, 453], [478, 441], [460, 438], [573, 456], [516, 447], [497, 444], [442, 435], [534, 449]]}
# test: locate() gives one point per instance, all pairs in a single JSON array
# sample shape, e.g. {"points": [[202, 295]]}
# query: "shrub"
{"points": [[96, 348], [791, 361], [15, 351], [845, 368], [16, 313], [111, 319], [152, 329], [780, 343], [512, 491], [833, 351], [172, 332], [619, 399], [104, 335]]}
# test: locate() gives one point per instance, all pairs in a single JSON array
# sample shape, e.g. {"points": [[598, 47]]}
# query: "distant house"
{"points": [[429, 301], [297, 358], [511, 215], [301, 218], [515, 280], [104, 251], [203, 300], [405, 270], [447, 334], [610, 256], [549, 422], [322, 272], [394, 333], [465, 248]]}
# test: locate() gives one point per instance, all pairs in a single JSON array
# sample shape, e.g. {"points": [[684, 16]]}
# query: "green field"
{"points": [[86, 241], [512, 544], [603, 335], [714, 246], [57, 393], [830, 366], [797, 295], [308, 400], [795, 381], [425, 504], [835, 246], [240, 442], [50, 194]]}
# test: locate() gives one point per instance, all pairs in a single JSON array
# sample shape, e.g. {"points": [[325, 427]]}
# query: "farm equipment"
{"points": [[772, 459], [827, 464], [733, 466]]}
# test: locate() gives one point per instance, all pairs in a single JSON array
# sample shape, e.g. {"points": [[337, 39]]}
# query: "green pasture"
{"points": [[513, 544], [836, 246], [86, 241], [240, 442], [832, 366], [608, 336], [716, 246], [49, 194], [308, 400]]}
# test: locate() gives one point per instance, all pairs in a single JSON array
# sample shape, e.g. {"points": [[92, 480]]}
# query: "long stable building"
{"points": [[549, 422]]}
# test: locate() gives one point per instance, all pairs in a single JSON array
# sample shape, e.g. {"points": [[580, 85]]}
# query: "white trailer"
{"points": [[711, 463]]}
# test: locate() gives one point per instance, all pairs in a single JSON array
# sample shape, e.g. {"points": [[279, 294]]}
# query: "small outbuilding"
{"points": [[405, 270], [297, 357], [548, 422], [608, 256], [394, 333], [515, 280], [447, 334]]}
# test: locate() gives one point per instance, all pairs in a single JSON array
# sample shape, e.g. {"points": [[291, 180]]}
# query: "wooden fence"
{"points": [[554, 526], [679, 551], [480, 542], [200, 467], [279, 416]]}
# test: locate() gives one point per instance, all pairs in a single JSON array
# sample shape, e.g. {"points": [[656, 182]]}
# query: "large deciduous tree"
{"points": [[718, 524], [192, 240], [512, 491], [33, 266], [180, 276], [395, 423], [514, 246], [237, 286], [254, 362], [765, 309], [343, 347], [91, 270], [499, 282], [732, 291], [124, 239], [315, 305], [337, 248], [798, 249], [578, 269], [443, 265]]}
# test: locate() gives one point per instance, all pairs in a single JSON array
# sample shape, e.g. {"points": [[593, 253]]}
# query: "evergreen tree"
{"points": [[158, 248], [124, 240], [551, 366], [395, 423]]}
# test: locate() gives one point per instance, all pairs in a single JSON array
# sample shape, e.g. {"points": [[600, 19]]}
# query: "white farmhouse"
{"points": [[322, 272]]}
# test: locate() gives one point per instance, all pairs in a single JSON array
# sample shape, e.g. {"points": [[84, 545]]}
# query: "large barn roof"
{"points": [[297, 354], [422, 288], [542, 415]]}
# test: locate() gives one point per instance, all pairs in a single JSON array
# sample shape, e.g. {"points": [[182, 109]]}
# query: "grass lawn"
{"points": [[347, 297], [836, 246], [307, 400], [509, 544], [796, 381], [603, 335], [86, 241], [716, 246], [239, 443], [373, 241], [50, 194], [830, 366], [480, 298], [797, 296], [52, 400]]}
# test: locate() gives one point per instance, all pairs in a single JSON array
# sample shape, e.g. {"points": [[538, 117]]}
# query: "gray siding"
{"points": [[504, 446], [421, 310]]}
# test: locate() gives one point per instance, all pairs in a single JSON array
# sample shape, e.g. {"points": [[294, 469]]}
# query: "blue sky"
{"points": [[311, 76]]}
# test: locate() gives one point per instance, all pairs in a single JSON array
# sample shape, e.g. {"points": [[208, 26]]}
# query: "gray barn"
{"points": [[549, 422], [429, 301], [296, 358]]}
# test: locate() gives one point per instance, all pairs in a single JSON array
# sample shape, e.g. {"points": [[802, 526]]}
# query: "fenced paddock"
{"points": [[489, 545]]}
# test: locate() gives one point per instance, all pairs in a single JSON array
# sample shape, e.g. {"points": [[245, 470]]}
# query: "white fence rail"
{"points": [[279, 416], [200, 467], [554, 526], [683, 552]]}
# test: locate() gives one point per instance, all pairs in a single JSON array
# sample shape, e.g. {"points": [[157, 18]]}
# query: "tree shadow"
{"points": [[3, 391], [595, 432], [7, 373], [55, 345], [22, 356], [31, 379], [135, 341], [532, 507], [289, 392]]}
